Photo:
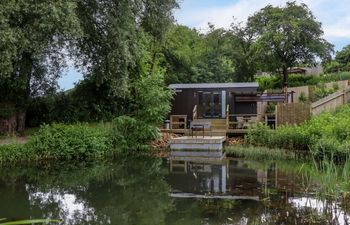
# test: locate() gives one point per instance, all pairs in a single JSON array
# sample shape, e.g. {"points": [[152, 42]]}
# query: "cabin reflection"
{"points": [[230, 177]]}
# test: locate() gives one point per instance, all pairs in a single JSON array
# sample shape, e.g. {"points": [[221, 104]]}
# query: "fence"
{"points": [[292, 113], [331, 102]]}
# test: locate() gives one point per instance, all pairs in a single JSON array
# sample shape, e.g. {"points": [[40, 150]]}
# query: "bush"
{"points": [[14, 152], [326, 134], [259, 136], [79, 141], [127, 132]]}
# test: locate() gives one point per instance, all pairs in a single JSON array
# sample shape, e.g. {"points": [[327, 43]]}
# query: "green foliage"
{"points": [[129, 133], [303, 98], [260, 153], [342, 60], [14, 152], [295, 80], [58, 141], [325, 135], [287, 36], [152, 99], [7, 110], [32, 35], [322, 91], [271, 107], [332, 67], [218, 56], [286, 137], [79, 141]]}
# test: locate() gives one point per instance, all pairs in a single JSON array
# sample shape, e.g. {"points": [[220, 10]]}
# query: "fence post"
{"points": [[276, 116]]}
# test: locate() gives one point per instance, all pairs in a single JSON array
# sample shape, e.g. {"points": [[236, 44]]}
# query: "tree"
{"points": [[119, 46], [287, 36], [32, 35], [343, 58], [182, 51], [242, 52]]}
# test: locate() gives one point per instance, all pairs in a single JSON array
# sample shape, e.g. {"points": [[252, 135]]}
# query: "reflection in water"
{"points": [[150, 191], [68, 206]]}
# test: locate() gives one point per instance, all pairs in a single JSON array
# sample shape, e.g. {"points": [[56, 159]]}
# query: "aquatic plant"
{"points": [[260, 153]]}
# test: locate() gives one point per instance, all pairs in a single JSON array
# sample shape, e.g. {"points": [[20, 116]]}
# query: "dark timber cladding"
{"points": [[212, 99]]}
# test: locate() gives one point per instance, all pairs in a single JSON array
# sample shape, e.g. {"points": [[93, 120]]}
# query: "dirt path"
{"points": [[13, 140]]}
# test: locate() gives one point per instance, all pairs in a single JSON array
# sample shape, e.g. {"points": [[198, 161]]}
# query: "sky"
{"points": [[333, 14]]}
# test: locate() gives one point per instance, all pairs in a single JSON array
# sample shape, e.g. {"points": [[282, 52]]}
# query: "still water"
{"points": [[149, 191]]}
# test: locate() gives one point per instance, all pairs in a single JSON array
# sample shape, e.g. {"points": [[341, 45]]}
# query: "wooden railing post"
{"points": [[227, 117], [194, 113]]}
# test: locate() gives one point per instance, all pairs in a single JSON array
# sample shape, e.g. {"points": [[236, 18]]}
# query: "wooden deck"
{"points": [[187, 131], [238, 124]]}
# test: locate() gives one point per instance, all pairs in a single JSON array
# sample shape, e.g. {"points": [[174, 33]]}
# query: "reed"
{"points": [[260, 153]]}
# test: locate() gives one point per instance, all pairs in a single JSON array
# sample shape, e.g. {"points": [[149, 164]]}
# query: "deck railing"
{"points": [[227, 117], [194, 113], [242, 121]]}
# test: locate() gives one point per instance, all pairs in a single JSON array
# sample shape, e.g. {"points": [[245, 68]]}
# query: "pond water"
{"points": [[149, 191]]}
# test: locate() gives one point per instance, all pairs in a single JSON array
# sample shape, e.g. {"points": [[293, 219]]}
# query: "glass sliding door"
{"points": [[209, 104], [216, 104]]}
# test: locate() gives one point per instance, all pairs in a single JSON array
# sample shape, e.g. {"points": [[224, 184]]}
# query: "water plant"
{"points": [[260, 153]]}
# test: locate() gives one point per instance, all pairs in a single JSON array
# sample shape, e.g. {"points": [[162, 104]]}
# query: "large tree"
{"points": [[32, 36], [118, 46], [288, 36]]}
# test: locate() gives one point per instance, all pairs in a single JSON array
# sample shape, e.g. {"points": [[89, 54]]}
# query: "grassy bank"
{"points": [[324, 135], [81, 141]]}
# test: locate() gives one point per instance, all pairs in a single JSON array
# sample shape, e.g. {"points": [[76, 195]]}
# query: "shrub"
{"points": [[259, 136], [14, 152], [326, 134], [69, 141], [127, 132], [303, 98]]}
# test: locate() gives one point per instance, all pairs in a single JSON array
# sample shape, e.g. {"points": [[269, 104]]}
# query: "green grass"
{"points": [[260, 153]]}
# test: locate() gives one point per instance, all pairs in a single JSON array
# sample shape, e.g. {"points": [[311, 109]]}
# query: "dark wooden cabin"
{"points": [[229, 102]]}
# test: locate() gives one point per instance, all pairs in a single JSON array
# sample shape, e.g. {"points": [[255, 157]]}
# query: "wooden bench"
{"points": [[200, 126]]}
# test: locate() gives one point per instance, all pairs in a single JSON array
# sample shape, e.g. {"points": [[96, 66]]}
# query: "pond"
{"points": [[150, 191]]}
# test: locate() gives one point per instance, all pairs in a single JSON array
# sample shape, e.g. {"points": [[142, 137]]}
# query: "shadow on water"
{"points": [[146, 190]]}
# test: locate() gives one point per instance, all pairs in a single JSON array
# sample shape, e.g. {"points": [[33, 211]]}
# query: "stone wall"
{"points": [[292, 113]]}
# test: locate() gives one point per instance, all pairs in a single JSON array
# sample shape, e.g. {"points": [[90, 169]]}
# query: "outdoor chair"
{"points": [[252, 121], [240, 122]]}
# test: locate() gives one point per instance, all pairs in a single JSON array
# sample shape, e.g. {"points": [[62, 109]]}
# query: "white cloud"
{"points": [[334, 15]]}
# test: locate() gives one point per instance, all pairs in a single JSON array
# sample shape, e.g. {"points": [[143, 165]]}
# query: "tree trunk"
{"points": [[13, 124], [8, 125], [21, 121]]}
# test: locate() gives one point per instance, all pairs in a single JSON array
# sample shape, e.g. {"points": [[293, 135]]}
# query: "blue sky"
{"points": [[333, 14]]}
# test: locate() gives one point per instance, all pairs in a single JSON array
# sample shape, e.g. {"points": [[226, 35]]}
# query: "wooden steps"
{"points": [[218, 127]]}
